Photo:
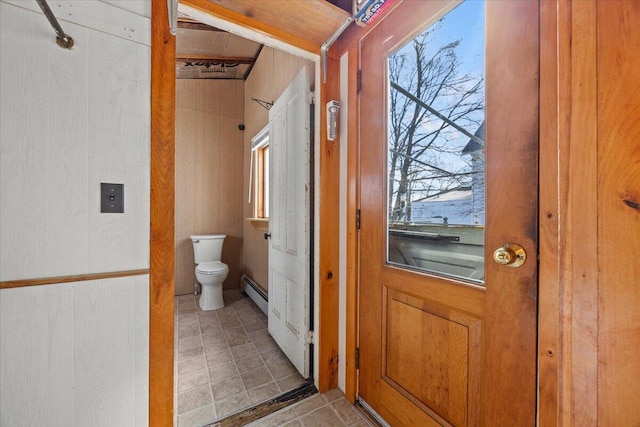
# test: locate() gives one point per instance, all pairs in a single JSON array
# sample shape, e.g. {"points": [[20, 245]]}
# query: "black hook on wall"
{"points": [[263, 104]]}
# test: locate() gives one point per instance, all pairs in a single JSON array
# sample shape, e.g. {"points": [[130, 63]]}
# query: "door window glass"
{"points": [[436, 139]]}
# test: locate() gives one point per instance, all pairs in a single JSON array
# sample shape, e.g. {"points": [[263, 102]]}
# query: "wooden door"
{"points": [[289, 183], [445, 337]]}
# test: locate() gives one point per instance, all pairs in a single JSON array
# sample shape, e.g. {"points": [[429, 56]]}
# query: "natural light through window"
{"points": [[259, 190], [436, 140]]}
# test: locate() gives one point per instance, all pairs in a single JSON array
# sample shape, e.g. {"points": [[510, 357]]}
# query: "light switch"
{"points": [[111, 198]]}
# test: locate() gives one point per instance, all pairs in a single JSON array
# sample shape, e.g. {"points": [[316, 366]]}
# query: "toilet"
{"points": [[210, 271]]}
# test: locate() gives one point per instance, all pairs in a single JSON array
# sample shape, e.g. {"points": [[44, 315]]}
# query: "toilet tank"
{"points": [[207, 247]]}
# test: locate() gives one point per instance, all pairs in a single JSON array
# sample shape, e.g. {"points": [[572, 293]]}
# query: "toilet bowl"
{"points": [[211, 275], [210, 271]]}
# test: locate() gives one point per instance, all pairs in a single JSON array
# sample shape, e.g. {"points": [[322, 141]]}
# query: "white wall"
{"points": [[74, 353]]}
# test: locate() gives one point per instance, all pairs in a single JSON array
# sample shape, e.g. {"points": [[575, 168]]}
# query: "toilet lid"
{"points": [[215, 267]]}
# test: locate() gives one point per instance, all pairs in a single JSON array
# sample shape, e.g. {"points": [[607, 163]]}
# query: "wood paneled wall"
{"points": [[589, 324], [271, 74], [209, 152], [75, 353], [618, 177]]}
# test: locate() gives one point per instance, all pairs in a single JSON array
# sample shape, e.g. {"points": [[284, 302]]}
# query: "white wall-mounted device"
{"points": [[332, 119]]}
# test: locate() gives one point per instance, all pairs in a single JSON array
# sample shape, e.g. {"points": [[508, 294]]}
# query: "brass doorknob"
{"points": [[510, 254]]}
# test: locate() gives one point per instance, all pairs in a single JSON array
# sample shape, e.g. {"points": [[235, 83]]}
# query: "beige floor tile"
{"points": [[190, 353], [263, 392], [226, 312], [249, 363], [231, 322], [211, 322], [197, 417], [290, 382], [274, 356], [252, 327], [232, 404], [294, 423], [239, 340], [250, 319], [332, 395], [220, 357], [244, 350], [210, 329], [208, 345], [266, 345], [214, 343], [259, 334], [244, 311], [208, 316], [192, 379], [256, 378], [322, 417], [190, 342], [214, 338], [184, 299], [309, 404], [195, 398], [234, 332], [276, 420], [191, 365], [188, 330], [281, 369], [187, 318], [346, 411], [227, 387], [222, 372], [186, 308]]}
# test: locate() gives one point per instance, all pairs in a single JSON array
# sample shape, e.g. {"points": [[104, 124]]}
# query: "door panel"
{"points": [[438, 347], [289, 136]]}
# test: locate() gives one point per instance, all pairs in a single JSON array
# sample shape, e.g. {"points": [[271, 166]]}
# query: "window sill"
{"points": [[259, 223]]}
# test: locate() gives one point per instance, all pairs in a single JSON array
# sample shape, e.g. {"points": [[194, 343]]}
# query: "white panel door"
{"points": [[289, 134]]}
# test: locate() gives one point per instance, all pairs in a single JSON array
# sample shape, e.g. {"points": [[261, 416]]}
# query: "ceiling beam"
{"points": [[215, 58], [236, 18], [190, 25]]}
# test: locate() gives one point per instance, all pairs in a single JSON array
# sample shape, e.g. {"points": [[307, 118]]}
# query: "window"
{"points": [[262, 181], [260, 174], [436, 139]]}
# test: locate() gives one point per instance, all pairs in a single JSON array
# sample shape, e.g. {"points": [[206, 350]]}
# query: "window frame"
{"points": [[260, 174]]}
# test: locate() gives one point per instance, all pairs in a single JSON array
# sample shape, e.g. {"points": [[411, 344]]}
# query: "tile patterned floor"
{"points": [[225, 360], [329, 409]]}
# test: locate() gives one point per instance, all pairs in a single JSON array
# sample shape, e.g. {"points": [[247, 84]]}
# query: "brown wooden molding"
{"points": [[353, 197], [329, 224], [259, 223], [8, 284], [162, 213]]}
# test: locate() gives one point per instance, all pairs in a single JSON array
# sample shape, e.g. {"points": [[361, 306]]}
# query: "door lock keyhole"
{"points": [[510, 254]]}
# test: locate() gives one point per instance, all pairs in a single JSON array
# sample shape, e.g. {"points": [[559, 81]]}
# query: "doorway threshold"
{"points": [[267, 407]]}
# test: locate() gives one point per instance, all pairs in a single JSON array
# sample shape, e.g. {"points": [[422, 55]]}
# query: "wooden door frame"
{"points": [[162, 240], [566, 43], [568, 286]]}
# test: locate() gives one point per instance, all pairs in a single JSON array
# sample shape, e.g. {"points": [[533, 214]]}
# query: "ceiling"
{"points": [[203, 51]]}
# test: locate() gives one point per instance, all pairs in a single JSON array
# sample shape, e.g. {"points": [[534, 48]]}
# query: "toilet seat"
{"points": [[213, 268]]}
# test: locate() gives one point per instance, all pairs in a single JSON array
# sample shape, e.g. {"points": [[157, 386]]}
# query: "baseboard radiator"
{"points": [[254, 292]]}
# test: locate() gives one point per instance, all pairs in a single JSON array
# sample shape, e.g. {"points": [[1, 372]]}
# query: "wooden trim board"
{"points": [[161, 280], [8, 284]]}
